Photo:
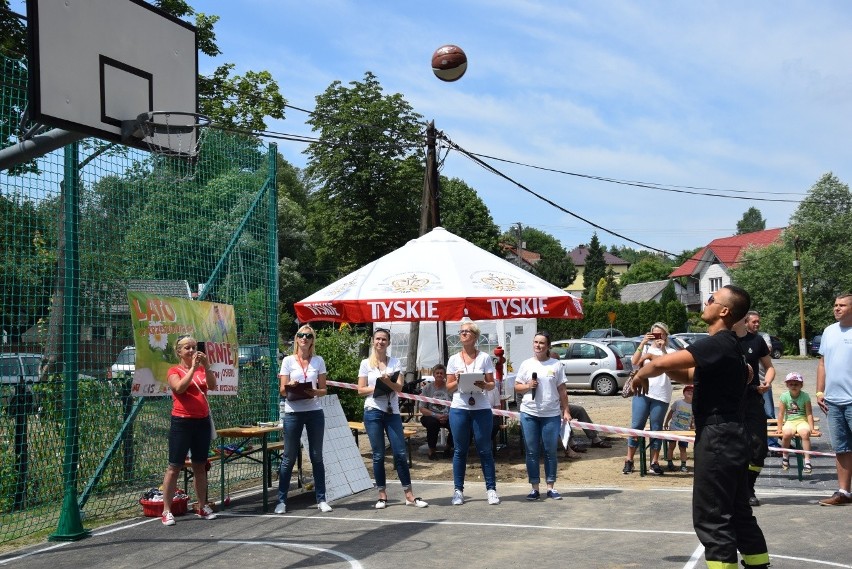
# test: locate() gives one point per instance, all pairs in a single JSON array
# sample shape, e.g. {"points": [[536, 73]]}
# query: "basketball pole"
{"points": [[36, 147]]}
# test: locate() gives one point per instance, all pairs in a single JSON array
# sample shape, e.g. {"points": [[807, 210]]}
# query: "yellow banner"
{"points": [[158, 322]]}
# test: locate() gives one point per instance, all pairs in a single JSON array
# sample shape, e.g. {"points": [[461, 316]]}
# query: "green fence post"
{"points": [[70, 527], [272, 283]]}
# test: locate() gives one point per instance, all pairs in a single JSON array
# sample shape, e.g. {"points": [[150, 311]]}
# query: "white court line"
{"points": [[695, 558], [354, 563], [25, 555]]}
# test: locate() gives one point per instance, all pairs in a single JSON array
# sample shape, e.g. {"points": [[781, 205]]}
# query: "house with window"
{"points": [[578, 257], [710, 268]]}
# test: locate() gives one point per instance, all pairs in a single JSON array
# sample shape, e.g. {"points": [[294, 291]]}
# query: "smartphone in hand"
{"points": [[201, 347]]}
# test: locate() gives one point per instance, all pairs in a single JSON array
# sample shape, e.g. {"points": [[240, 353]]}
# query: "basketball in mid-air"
{"points": [[449, 63]]}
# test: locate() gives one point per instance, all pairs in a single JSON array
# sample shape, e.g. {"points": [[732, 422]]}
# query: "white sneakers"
{"points": [[417, 502], [206, 513], [493, 498], [458, 498], [281, 508], [324, 507], [168, 519]]}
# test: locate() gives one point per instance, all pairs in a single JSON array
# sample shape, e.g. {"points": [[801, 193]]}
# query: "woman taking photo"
{"points": [[301, 384], [541, 381], [655, 403], [190, 428], [471, 411], [380, 381]]}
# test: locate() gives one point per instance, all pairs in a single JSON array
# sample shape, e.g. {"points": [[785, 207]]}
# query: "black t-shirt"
{"points": [[754, 348], [720, 376]]}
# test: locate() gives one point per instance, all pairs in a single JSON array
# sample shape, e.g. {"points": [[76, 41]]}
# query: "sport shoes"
{"points": [[281, 508], [168, 519], [533, 496], [837, 499], [628, 467], [493, 498], [554, 495], [656, 469], [324, 507], [458, 497], [206, 512], [683, 467], [671, 466]]}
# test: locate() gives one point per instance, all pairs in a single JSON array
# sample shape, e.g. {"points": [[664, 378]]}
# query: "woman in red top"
{"points": [[190, 425]]}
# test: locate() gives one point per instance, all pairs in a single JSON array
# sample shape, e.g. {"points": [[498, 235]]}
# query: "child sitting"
{"points": [[680, 418], [795, 417]]}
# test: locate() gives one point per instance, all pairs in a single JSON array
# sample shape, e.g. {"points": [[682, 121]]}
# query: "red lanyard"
{"points": [[304, 368]]}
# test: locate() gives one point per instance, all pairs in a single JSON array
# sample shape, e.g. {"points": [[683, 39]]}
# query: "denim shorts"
{"points": [[840, 427]]}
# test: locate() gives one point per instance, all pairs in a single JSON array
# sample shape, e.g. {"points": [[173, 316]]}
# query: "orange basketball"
{"points": [[449, 63]]}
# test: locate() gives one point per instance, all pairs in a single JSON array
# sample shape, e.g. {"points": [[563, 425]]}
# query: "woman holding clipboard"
{"points": [[471, 411], [379, 381], [302, 383]]}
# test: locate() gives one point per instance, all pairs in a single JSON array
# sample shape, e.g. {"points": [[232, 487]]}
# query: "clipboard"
{"points": [[380, 389], [466, 380], [297, 392]]}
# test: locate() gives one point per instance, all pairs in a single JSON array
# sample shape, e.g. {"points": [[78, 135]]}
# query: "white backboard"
{"points": [[95, 63]]}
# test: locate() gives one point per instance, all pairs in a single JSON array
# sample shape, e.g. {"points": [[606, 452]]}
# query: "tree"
{"points": [[752, 221], [607, 288], [367, 173], [554, 266], [595, 268], [820, 226], [646, 270], [464, 213]]}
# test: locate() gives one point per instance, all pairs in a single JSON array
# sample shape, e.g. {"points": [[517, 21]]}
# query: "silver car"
{"points": [[589, 364]]}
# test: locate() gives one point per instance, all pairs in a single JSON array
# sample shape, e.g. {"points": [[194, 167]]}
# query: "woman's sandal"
{"points": [[417, 502], [785, 463], [808, 468], [381, 504]]}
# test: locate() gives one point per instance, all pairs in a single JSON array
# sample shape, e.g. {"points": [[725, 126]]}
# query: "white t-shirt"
{"points": [[291, 367], [550, 376], [380, 402], [482, 363], [659, 387], [836, 351]]}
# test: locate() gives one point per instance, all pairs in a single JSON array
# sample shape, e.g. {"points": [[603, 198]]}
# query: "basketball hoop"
{"points": [[175, 134], [172, 137]]}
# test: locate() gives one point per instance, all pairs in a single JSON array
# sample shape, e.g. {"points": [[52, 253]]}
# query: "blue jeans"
{"points": [[377, 423], [462, 422], [314, 421], [839, 419], [769, 409], [644, 408], [538, 431]]}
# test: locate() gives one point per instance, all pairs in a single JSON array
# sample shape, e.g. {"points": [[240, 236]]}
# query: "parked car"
{"points": [[251, 355], [125, 363], [625, 345], [814, 345], [603, 333], [684, 339], [593, 365], [673, 343], [18, 372], [777, 349]]}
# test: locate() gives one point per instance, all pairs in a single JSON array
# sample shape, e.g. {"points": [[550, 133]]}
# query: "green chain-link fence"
{"points": [[78, 228]]}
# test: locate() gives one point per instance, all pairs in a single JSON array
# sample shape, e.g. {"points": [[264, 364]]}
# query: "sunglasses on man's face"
{"points": [[307, 335]]}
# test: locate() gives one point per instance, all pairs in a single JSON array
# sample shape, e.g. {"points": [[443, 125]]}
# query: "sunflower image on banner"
{"points": [[158, 323]]}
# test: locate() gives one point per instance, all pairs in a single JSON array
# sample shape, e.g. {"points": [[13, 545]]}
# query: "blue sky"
{"points": [[749, 99]]}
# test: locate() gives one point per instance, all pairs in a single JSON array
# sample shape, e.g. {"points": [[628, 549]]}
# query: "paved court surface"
{"points": [[589, 528]]}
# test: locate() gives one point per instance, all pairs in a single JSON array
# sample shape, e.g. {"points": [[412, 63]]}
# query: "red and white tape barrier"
{"points": [[579, 424]]}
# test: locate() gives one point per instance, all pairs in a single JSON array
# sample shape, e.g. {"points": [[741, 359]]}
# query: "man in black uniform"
{"points": [[756, 352], [721, 514]]}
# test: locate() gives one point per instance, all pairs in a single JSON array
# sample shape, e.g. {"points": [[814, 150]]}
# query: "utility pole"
{"points": [[520, 247], [798, 266], [430, 218]]}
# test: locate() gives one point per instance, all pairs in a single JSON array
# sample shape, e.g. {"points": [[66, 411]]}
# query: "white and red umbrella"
{"points": [[438, 277]]}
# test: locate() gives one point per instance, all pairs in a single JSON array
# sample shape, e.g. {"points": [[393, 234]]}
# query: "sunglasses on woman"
{"points": [[307, 335]]}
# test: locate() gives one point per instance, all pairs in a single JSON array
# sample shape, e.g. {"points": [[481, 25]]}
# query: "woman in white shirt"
{"points": [[377, 383], [654, 404], [471, 411], [544, 406], [301, 384]]}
